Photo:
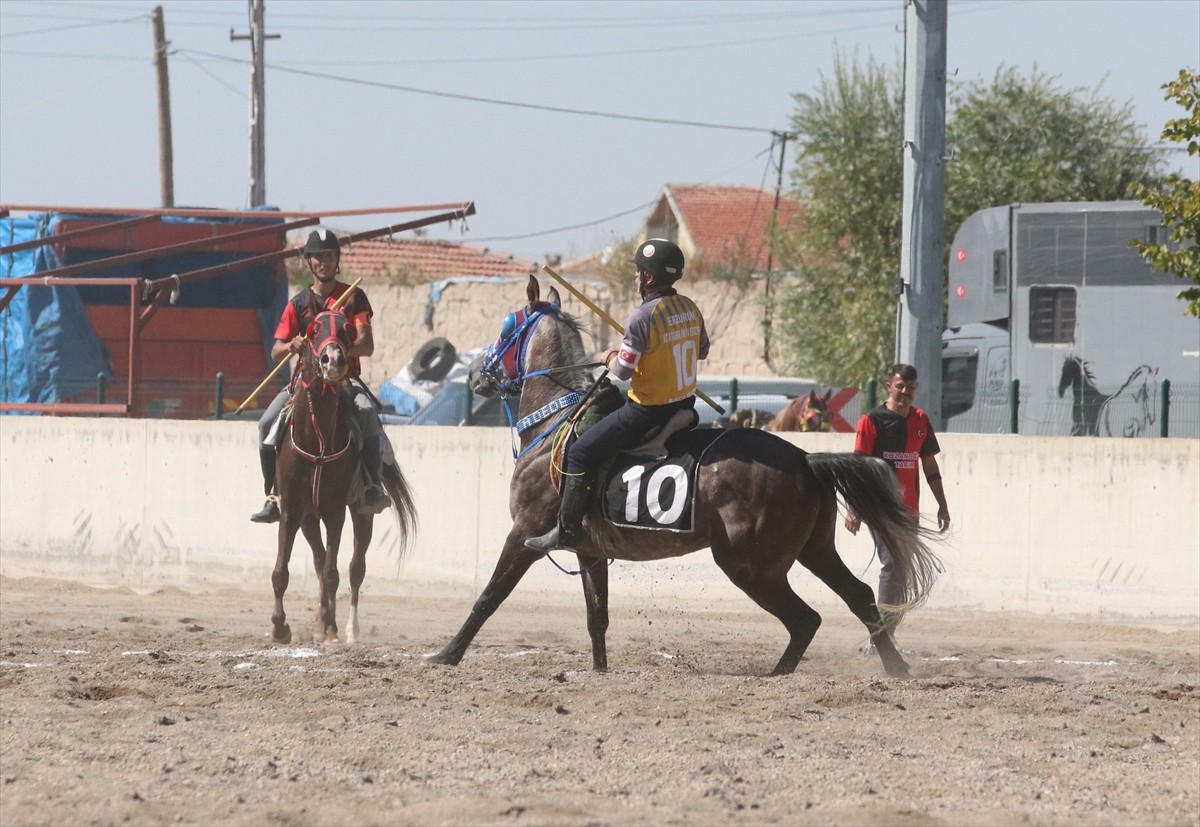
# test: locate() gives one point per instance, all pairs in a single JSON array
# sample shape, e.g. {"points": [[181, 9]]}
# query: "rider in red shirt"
{"points": [[322, 253]]}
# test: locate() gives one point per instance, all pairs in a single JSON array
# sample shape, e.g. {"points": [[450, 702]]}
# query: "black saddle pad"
{"points": [[645, 492]]}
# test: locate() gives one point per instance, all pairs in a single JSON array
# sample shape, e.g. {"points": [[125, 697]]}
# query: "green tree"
{"points": [[1178, 198], [1013, 139], [836, 319], [1020, 139]]}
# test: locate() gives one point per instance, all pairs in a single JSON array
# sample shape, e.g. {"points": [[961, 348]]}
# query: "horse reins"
{"points": [[321, 457]]}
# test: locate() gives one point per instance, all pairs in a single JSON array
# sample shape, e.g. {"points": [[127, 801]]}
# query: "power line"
{"points": [[88, 25], [395, 87]]}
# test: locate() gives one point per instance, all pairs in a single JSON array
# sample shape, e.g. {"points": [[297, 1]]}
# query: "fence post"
{"points": [[1165, 413], [469, 419], [1014, 405], [220, 400], [872, 393], [733, 394], [101, 382]]}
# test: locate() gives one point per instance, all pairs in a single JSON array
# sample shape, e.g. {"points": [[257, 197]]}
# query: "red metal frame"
{"points": [[146, 296]]}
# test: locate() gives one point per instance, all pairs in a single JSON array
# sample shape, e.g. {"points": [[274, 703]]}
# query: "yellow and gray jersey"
{"points": [[664, 339]]}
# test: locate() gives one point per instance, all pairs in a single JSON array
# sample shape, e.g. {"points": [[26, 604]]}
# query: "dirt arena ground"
{"points": [[172, 708]]}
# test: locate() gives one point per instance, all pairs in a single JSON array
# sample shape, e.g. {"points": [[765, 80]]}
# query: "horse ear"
{"points": [[311, 331], [533, 290], [553, 298], [828, 394]]}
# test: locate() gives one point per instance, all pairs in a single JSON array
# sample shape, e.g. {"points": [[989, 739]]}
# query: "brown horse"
{"points": [[319, 476], [761, 504], [804, 413]]}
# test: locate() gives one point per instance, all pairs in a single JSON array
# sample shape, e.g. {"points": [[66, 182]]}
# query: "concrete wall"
{"points": [[1062, 526]]}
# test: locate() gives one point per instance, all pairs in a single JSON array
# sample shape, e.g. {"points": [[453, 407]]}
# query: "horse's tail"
{"points": [[403, 508], [868, 485]]}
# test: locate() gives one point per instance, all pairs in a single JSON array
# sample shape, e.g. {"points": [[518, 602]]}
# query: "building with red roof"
{"points": [[725, 228], [418, 260]]}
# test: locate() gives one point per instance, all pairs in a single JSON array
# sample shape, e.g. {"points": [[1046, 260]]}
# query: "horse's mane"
{"points": [[573, 351]]}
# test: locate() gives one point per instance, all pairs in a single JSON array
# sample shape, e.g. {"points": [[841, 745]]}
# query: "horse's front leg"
{"points": [[594, 573], [514, 561], [311, 528], [327, 629], [364, 526], [281, 632]]}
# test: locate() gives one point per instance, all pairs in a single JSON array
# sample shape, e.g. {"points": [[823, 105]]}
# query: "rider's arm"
{"points": [[364, 340]]}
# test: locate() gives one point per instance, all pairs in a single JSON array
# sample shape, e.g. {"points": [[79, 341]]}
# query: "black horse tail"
{"points": [[403, 508], [868, 485]]}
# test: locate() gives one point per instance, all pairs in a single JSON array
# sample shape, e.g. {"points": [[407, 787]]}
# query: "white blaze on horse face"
{"points": [[333, 363]]}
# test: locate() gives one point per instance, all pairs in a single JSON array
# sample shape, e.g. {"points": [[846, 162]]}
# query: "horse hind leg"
{"points": [[363, 525], [768, 587], [820, 556]]}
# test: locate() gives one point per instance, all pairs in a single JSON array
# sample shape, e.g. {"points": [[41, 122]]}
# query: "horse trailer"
{"points": [[1058, 327]]}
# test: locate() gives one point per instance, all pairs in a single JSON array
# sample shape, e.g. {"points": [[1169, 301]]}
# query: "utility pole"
{"points": [[919, 320], [258, 91], [768, 292], [166, 157]]}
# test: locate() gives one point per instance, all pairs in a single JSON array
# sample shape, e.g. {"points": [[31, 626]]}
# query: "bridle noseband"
{"points": [[504, 366]]}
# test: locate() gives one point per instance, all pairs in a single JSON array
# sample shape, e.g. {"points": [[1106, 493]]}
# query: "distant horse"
{"points": [[804, 413], [1128, 412], [760, 503], [743, 418], [319, 475]]}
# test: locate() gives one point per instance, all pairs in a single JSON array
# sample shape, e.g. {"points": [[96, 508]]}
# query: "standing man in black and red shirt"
{"points": [[900, 434]]}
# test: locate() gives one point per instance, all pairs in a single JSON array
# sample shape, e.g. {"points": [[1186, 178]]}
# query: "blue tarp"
{"points": [[48, 350]]}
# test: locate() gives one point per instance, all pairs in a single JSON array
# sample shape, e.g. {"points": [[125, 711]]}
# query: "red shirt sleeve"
{"points": [[289, 324], [864, 436]]}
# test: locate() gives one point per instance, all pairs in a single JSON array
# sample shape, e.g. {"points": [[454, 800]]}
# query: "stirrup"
{"points": [[553, 540]]}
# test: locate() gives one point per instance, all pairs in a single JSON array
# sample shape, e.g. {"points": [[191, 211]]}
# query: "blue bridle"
{"points": [[507, 355]]}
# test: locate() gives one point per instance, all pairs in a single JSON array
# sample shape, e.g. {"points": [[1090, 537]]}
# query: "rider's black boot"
{"points": [[375, 499], [270, 509], [568, 534]]}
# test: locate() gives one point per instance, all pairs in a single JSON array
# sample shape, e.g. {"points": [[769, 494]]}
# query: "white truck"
{"points": [[1051, 309]]}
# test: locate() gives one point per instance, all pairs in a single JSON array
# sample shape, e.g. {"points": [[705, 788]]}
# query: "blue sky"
{"points": [[366, 101]]}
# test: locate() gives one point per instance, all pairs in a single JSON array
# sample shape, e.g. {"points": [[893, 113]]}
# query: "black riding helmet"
{"points": [[322, 241], [660, 258]]}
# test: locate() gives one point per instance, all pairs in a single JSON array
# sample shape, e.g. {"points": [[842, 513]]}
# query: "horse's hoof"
{"points": [[282, 636], [444, 659]]}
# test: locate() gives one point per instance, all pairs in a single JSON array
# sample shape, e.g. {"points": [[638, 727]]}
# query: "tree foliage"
{"points": [[836, 319], [1178, 198], [1010, 140]]}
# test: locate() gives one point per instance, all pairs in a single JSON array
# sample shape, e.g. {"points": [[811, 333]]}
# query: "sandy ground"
{"points": [[173, 708]]}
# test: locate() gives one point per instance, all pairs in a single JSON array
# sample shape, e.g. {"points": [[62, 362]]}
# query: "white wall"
{"points": [[1049, 525]]}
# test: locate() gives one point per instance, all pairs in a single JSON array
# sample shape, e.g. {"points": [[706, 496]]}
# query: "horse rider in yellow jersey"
{"points": [[665, 338]]}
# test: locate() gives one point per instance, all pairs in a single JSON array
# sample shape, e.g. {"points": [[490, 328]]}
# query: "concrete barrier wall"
{"points": [[1063, 526]]}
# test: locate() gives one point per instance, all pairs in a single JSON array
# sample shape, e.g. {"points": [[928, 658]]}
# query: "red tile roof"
{"points": [[728, 224], [420, 260]]}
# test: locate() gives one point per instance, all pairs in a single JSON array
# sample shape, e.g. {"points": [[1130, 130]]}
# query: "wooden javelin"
{"points": [[341, 300], [614, 323]]}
